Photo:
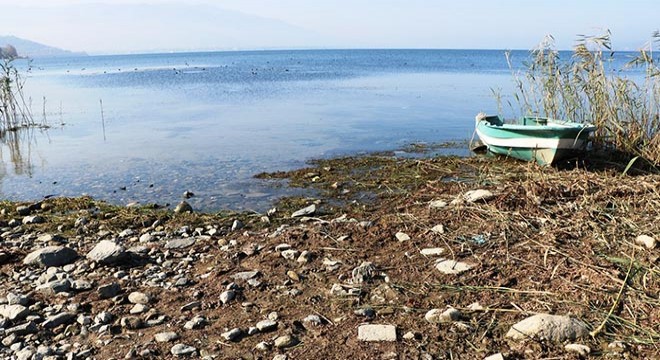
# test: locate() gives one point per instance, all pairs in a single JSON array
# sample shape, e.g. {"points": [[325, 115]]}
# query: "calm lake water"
{"points": [[207, 122]]}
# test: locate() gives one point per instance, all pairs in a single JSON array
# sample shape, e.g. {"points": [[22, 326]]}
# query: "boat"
{"points": [[533, 138]]}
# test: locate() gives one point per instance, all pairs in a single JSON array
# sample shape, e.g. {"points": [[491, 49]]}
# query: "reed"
{"points": [[624, 106], [14, 110]]}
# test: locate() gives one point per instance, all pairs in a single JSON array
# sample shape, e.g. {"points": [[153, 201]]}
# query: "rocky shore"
{"points": [[442, 258]]}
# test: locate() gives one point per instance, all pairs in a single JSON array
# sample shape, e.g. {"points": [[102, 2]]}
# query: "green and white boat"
{"points": [[539, 139]]}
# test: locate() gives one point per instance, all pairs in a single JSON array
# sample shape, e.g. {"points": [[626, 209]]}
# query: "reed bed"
{"points": [[585, 88], [15, 111]]}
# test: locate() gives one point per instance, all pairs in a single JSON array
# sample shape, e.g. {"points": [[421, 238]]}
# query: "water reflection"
{"points": [[18, 144]]}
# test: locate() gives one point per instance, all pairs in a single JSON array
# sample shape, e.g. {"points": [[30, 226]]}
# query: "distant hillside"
{"points": [[31, 49]]}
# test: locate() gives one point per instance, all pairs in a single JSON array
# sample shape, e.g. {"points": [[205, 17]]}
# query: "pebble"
{"points": [[438, 229], [266, 325], [107, 252], [313, 319], [647, 241], [497, 356], [310, 210], [551, 327], [182, 207], [197, 322], [137, 297], [452, 267], [183, 350], [374, 332], [285, 341], [109, 290], [438, 316], [432, 251], [582, 350], [227, 296], [437, 204], [35, 219], [14, 312], [233, 334], [51, 256], [167, 336], [401, 236]]}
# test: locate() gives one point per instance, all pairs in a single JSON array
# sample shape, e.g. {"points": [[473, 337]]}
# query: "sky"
{"points": [[131, 26]]}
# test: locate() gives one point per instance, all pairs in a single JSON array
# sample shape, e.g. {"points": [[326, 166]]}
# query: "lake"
{"points": [[147, 128]]}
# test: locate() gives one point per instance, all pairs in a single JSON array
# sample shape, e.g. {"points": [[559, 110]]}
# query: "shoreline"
{"points": [[536, 240]]}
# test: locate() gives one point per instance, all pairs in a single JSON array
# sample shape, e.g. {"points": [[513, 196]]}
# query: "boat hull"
{"points": [[544, 143]]}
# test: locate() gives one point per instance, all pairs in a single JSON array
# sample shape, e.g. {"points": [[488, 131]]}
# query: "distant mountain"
{"points": [[31, 49]]}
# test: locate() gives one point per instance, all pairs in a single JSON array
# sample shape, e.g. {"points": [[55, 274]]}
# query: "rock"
{"points": [[23, 329], [646, 240], [266, 325], [580, 349], [237, 225], [367, 312], [437, 204], [103, 317], [363, 273], [167, 336], [305, 257], [146, 237], [285, 341], [137, 297], [432, 251], [233, 334], [452, 267], [14, 299], [14, 312], [188, 194], [59, 319], [107, 252], [280, 357], [227, 296], [401, 236], [373, 332], [197, 322], [191, 305], [182, 207], [182, 350], [409, 335], [552, 327], [23, 210], [55, 286], [310, 210], [36, 219], [438, 229], [180, 243], [289, 254], [437, 316], [245, 275], [313, 319], [138, 309], [131, 322], [109, 290], [51, 256]]}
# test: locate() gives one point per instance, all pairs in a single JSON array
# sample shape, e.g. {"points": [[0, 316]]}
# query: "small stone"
{"points": [[14, 299], [474, 196], [437, 316], [182, 207], [14, 312], [497, 356], [188, 194], [237, 225], [107, 252], [305, 257], [452, 267], [438, 229], [167, 336], [197, 322], [131, 322], [263, 346], [290, 254], [109, 290], [191, 306], [363, 273], [580, 349], [293, 275], [432, 251], [310, 210], [103, 318], [646, 240], [36, 219], [182, 350], [233, 334], [285, 341], [437, 204], [409, 335], [373, 332], [313, 319], [59, 319], [146, 237], [266, 325], [366, 312], [552, 327], [182, 243], [245, 275], [23, 329], [23, 210], [139, 309], [401, 236], [227, 296], [137, 297]]}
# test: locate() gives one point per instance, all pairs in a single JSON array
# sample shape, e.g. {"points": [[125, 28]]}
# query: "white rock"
{"points": [[107, 252], [182, 350], [437, 204], [166, 336], [401, 236], [497, 356], [227, 296], [432, 251], [582, 350], [233, 334], [373, 332], [438, 229], [310, 210], [452, 267], [14, 312], [474, 196], [552, 327], [51, 256], [438, 316], [290, 254], [646, 240], [137, 297], [266, 325]]}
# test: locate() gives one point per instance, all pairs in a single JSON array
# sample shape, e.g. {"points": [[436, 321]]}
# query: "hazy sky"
{"points": [[159, 25]]}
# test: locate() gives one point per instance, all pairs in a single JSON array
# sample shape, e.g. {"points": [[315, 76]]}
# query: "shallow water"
{"points": [[149, 127]]}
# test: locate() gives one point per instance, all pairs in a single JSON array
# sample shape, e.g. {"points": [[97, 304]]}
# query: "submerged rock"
{"points": [[182, 207]]}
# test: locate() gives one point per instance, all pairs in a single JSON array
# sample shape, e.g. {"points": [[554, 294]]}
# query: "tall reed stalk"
{"points": [[14, 111], [585, 89]]}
